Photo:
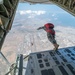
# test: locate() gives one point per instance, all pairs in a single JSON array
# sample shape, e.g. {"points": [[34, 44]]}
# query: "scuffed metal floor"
{"points": [[49, 63]]}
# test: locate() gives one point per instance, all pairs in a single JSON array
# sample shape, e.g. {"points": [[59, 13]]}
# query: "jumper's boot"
{"points": [[56, 46]]}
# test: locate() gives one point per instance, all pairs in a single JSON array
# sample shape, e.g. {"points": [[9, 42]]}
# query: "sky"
{"points": [[51, 12]]}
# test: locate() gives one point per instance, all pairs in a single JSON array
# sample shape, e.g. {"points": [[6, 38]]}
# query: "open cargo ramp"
{"points": [[49, 63], [62, 62]]}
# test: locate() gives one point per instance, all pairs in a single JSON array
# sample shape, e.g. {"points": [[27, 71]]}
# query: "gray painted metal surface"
{"points": [[49, 63], [67, 5]]}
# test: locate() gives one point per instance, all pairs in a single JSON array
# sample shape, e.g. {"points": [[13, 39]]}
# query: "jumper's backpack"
{"points": [[49, 28]]}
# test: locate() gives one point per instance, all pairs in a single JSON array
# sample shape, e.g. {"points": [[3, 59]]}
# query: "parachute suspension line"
{"points": [[4, 58]]}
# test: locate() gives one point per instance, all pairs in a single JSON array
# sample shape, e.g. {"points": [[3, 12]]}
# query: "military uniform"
{"points": [[50, 34]]}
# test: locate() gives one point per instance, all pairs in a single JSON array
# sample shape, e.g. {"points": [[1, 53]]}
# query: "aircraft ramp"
{"points": [[49, 63], [61, 62]]}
